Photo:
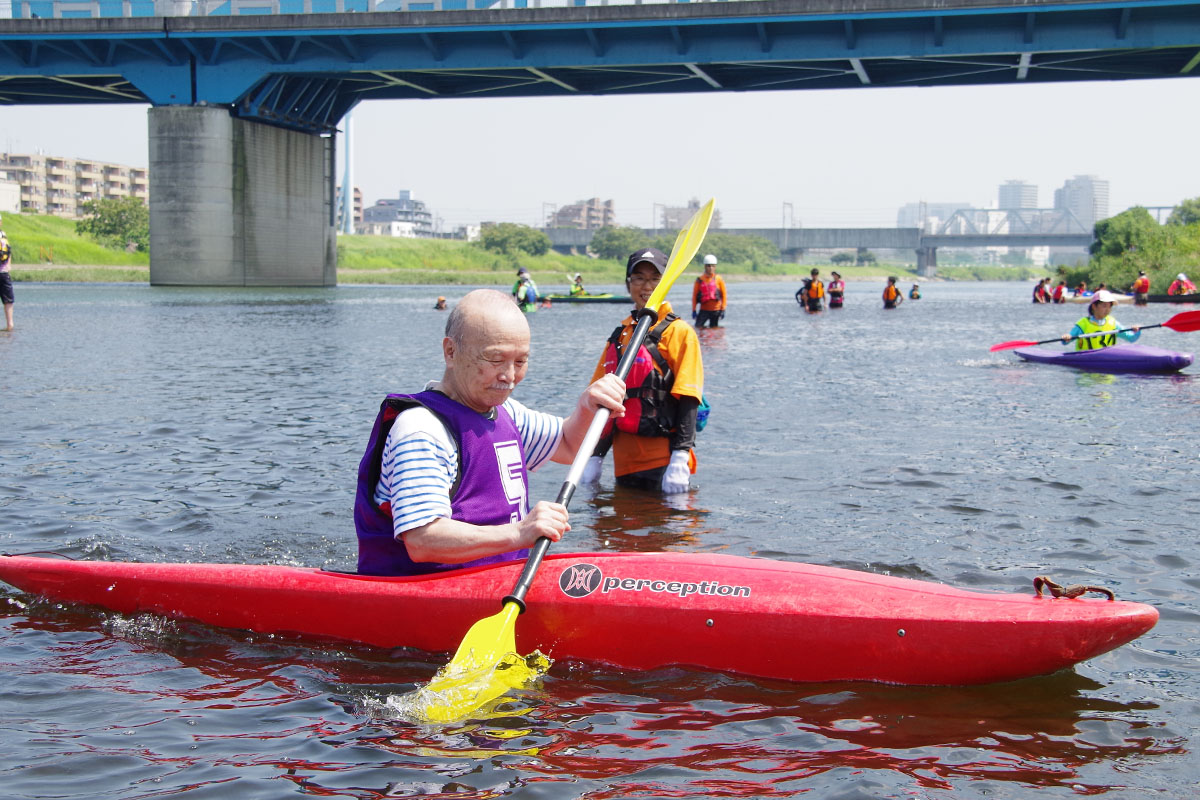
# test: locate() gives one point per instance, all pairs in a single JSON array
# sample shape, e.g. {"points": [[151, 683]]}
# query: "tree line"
{"points": [[1133, 241]]}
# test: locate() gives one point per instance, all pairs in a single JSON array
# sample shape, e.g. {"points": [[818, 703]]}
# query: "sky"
{"points": [[840, 158]]}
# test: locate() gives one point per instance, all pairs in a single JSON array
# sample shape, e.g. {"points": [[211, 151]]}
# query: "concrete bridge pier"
{"points": [[238, 203], [927, 262]]}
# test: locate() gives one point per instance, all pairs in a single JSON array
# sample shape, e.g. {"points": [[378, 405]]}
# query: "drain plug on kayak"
{"points": [[708, 622], [900, 632]]}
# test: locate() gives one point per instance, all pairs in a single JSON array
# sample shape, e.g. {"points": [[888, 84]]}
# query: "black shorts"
{"points": [[650, 479], [6, 293], [709, 317]]}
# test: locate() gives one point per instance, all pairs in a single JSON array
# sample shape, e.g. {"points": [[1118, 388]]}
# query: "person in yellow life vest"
{"points": [[652, 443], [812, 294], [1141, 289], [1099, 322], [892, 296], [709, 294], [577, 289]]}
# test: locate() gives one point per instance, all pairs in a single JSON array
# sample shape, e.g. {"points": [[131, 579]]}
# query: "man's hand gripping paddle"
{"points": [[1184, 322], [487, 664]]}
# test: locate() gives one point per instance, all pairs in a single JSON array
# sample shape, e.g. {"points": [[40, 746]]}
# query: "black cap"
{"points": [[655, 258]]}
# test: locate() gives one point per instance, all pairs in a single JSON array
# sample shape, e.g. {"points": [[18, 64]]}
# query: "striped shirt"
{"points": [[420, 462]]}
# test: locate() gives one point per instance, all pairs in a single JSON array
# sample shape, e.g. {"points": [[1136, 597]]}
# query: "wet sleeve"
{"points": [[684, 436]]}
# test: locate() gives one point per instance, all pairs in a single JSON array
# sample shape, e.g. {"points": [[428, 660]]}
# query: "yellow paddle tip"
{"points": [[484, 668], [455, 695]]}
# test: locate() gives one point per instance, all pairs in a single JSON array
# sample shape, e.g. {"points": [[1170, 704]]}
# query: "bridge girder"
{"points": [[306, 71]]}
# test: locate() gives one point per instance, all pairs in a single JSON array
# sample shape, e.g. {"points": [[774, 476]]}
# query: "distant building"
{"points": [[358, 208], [927, 216], [1085, 196], [10, 196], [1018, 194], [60, 186], [404, 230], [402, 209], [585, 215], [675, 217]]}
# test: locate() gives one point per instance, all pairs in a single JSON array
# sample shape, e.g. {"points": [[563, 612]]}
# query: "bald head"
{"points": [[481, 311]]}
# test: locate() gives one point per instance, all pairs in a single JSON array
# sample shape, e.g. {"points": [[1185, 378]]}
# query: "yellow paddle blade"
{"points": [[485, 667], [686, 244]]}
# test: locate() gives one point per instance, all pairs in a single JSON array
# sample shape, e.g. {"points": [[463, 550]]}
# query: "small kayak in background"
{"points": [[1119, 358], [1173, 298], [1087, 298], [589, 298]]}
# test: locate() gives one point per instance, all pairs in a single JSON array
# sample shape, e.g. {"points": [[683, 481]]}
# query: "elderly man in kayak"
{"points": [[1098, 321], [443, 483]]}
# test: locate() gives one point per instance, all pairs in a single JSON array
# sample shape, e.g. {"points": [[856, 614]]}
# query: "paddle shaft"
{"points": [[646, 319], [1100, 333]]}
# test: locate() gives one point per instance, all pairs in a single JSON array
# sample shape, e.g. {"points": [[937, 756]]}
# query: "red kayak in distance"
{"points": [[635, 611]]}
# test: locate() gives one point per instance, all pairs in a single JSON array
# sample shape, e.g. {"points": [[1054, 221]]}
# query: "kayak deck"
{"points": [[1127, 358], [589, 298], [757, 617]]}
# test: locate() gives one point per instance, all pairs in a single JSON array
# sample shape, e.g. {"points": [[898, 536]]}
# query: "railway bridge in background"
{"points": [[966, 228], [246, 95]]}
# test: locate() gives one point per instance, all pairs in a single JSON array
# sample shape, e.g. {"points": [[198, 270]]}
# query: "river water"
{"points": [[225, 425]]}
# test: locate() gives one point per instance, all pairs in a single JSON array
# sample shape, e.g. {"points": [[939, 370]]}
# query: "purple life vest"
{"points": [[491, 488]]}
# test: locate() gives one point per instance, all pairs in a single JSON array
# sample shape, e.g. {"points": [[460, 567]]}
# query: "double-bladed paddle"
{"points": [[1183, 322], [485, 665]]}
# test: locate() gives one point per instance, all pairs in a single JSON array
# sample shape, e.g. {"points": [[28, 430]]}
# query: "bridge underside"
{"points": [[305, 72]]}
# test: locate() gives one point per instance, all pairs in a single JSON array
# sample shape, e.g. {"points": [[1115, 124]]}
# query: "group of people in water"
{"points": [[813, 292], [1139, 289]]}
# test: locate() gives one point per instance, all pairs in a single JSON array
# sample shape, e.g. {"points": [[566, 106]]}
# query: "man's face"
{"points": [[710, 269], [489, 363], [642, 283]]}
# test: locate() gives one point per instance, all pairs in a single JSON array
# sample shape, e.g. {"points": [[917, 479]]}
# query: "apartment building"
{"points": [[60, 186], [586, 214]]}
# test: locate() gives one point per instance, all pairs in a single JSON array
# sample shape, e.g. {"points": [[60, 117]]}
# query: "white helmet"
{"points": [[1180, 276], [710, 259]]}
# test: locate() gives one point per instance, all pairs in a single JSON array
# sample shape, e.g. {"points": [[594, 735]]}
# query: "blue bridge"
{"points": [[247, 95]]}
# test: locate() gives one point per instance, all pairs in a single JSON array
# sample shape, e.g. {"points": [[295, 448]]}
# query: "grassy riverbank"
{"points": [[48, 249]]}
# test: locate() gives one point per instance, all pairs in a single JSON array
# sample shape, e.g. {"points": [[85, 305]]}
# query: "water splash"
{"points": [[453, 693]]}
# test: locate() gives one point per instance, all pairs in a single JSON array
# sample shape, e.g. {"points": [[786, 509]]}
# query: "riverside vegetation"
{"points": [[49, 248]]}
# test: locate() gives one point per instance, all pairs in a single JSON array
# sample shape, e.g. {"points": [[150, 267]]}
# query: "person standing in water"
{"points": [[836, 290], [6, 286], [892, 296], [709, 294], [652, 442], [812, 294]]}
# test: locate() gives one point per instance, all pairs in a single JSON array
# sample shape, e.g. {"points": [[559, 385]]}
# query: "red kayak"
{"points": [[638, 611]]}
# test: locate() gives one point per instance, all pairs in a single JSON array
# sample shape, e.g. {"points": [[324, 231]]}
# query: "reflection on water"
{"points": [[207, 707], [218, 425]]}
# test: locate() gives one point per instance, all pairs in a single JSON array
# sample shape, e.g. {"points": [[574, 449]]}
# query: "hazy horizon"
{"points": [[840, 158]]}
